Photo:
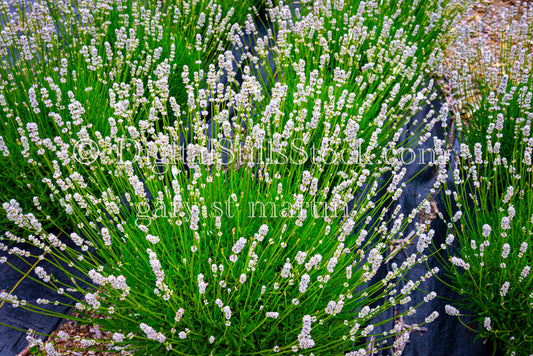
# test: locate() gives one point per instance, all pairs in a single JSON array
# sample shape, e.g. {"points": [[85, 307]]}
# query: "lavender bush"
{"points": [[491, 200], [70, 67], [246, 219]]}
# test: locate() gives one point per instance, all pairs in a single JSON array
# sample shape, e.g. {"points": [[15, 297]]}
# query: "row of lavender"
{"points": [[201, 200]]}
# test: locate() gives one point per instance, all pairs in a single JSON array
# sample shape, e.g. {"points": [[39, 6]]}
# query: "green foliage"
{"points": [[68, 67], [493, 186]]}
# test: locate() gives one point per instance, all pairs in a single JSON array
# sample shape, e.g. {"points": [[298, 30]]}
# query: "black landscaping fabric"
{"points": [[445, 336], [12, 341]]}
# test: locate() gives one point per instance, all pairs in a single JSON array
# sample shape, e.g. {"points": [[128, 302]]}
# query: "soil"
{"points": [[73, 346]]}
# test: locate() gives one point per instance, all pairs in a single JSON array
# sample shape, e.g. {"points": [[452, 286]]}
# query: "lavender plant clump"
{"points": [[216, 177], [492, 190]]}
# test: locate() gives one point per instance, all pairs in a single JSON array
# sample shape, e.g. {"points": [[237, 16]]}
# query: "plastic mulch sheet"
{"points": [[12, 341]]}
